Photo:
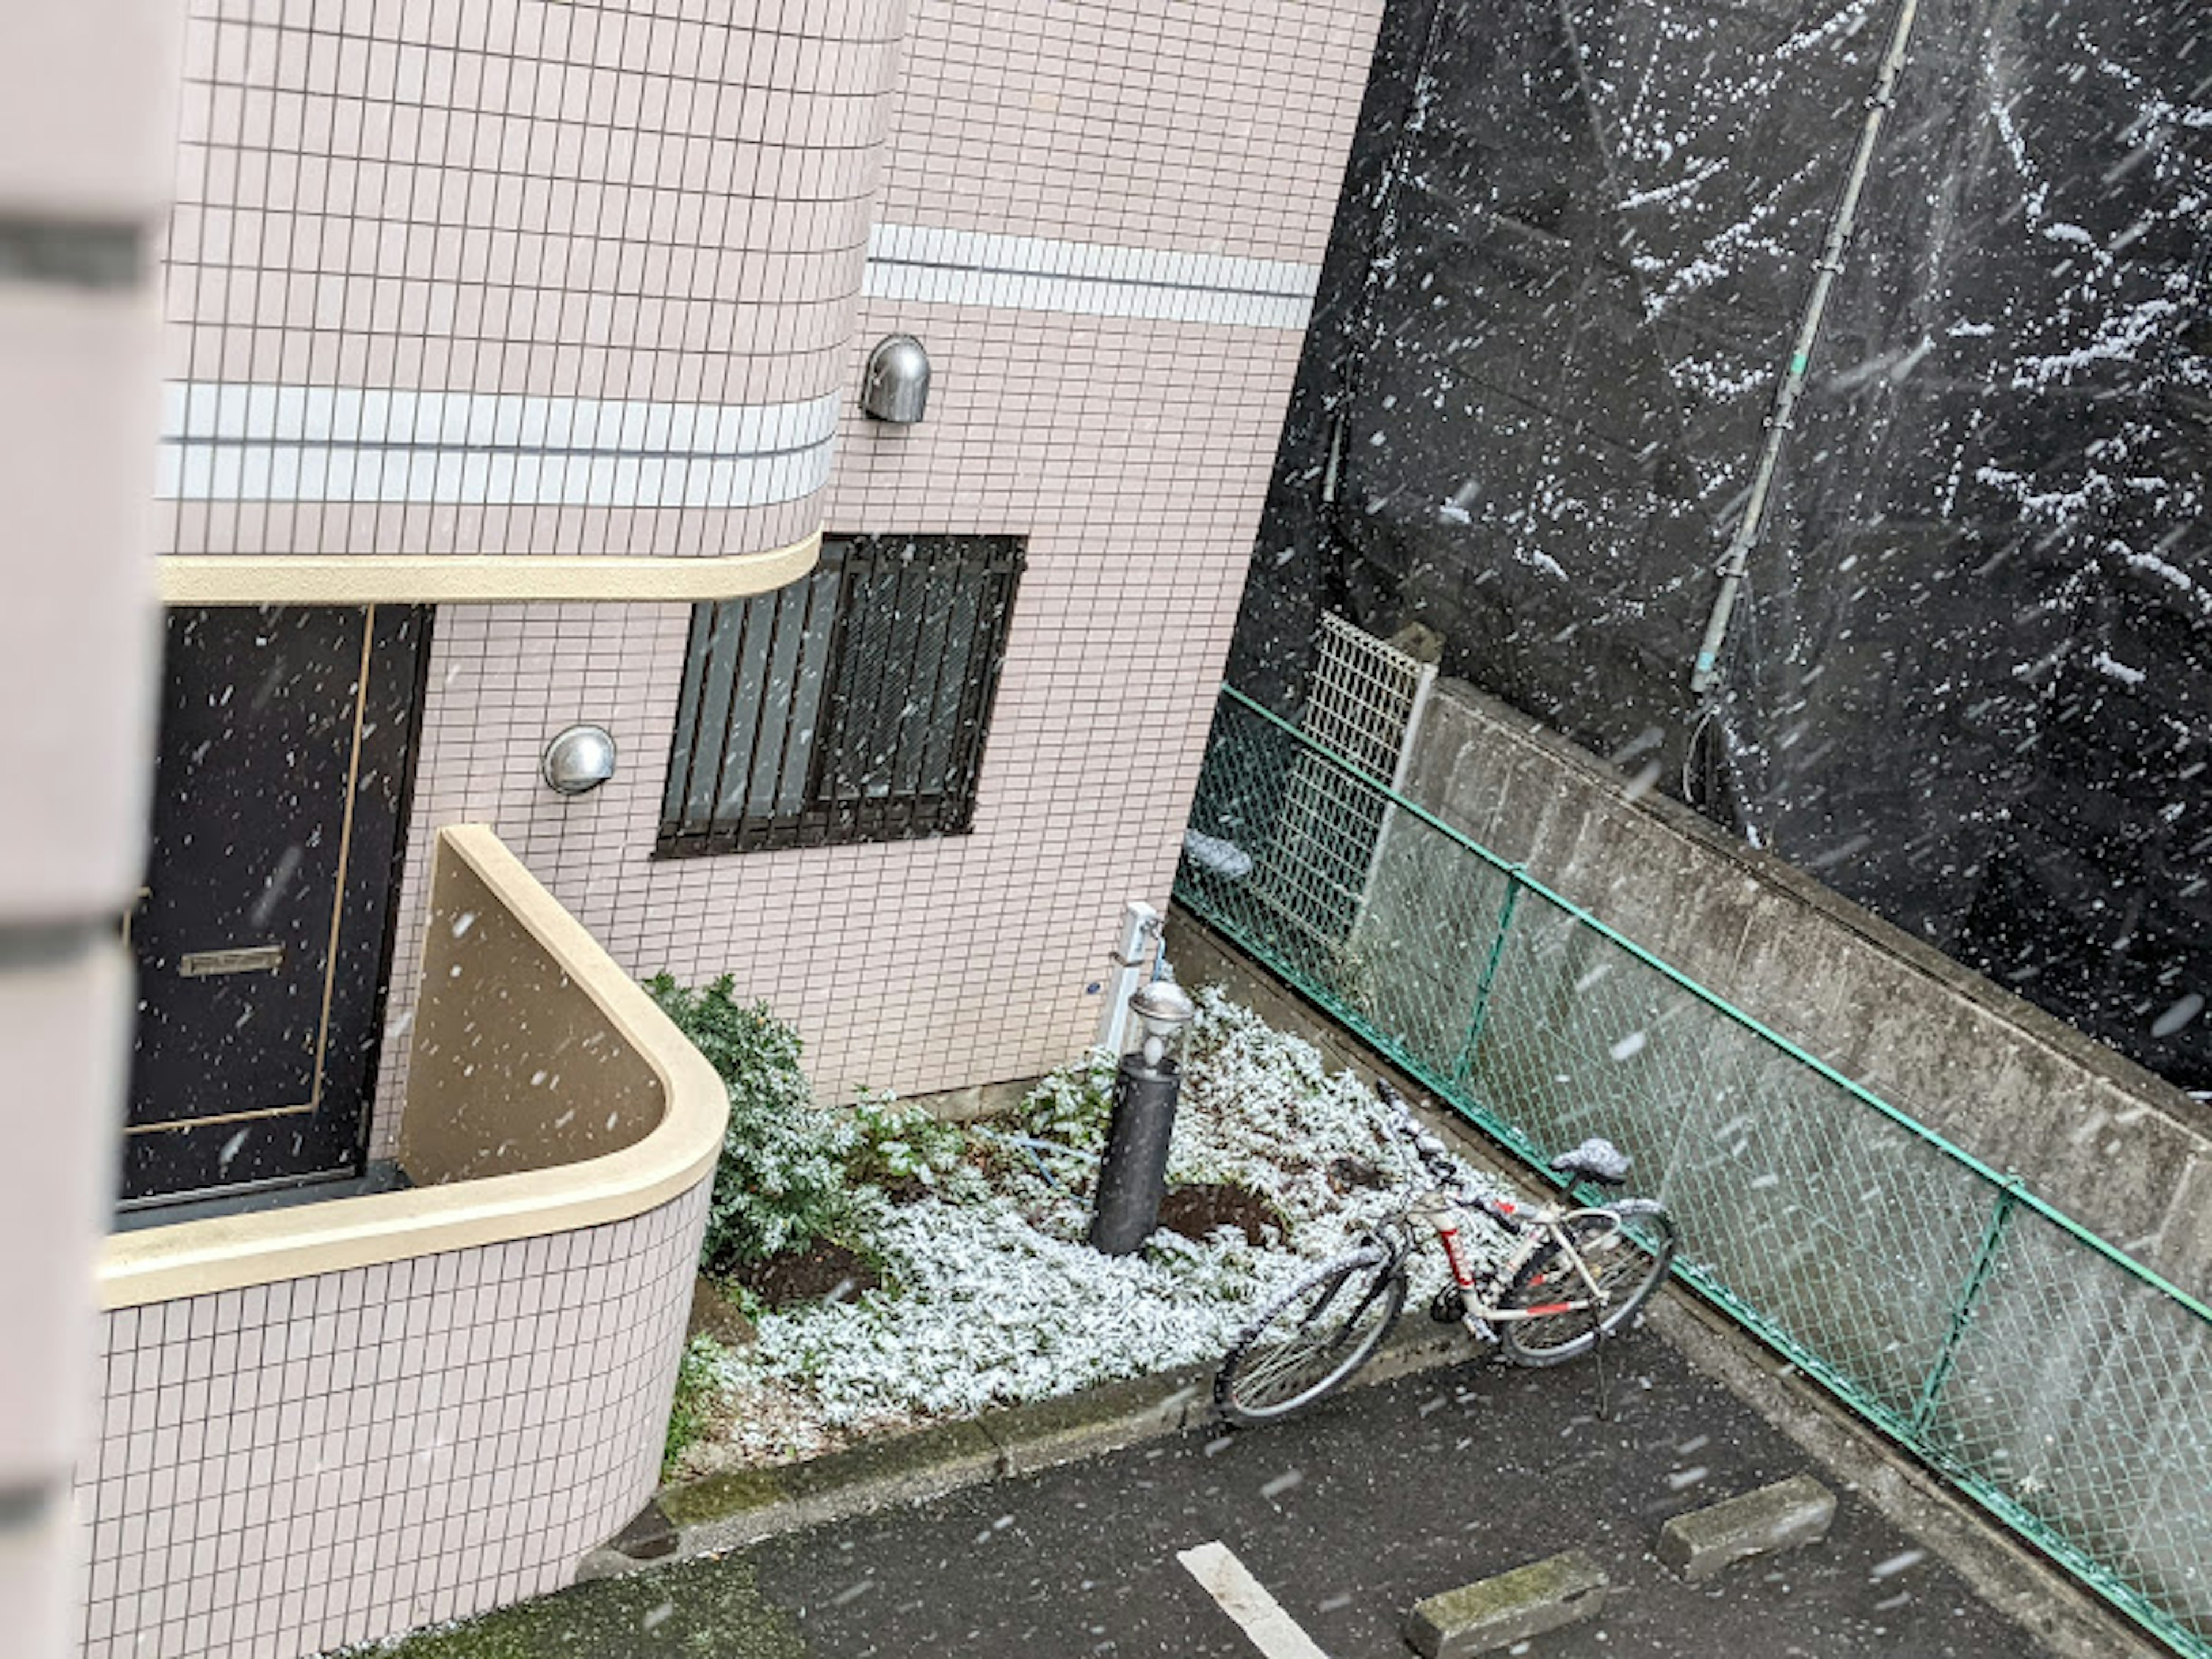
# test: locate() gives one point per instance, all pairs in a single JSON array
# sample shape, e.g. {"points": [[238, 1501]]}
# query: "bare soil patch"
{"points": [[1196, 1211], [713, 1313], [828, 1272]]}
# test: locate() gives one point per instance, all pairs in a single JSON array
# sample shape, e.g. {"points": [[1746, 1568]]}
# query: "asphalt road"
{"points": [[1346, 1516]]}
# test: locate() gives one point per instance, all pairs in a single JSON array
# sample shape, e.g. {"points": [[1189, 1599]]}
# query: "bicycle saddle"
{"points": [[1595, 1160]]}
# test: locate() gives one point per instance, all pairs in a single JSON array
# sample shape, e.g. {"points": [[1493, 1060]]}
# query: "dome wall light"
{"points": [[895, 388], [579, 760]]}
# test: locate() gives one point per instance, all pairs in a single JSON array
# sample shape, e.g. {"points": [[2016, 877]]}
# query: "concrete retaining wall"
{"points": [[2122, 1151]]}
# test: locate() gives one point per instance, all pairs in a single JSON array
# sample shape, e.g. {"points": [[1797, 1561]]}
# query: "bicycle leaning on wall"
{"points": [[1572, 1277]]}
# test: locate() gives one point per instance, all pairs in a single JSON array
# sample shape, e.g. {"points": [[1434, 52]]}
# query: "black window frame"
{"points": [[750, 680]]}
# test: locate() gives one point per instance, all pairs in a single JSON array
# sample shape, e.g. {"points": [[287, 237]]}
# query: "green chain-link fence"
{"points": [[2065, 1387]]}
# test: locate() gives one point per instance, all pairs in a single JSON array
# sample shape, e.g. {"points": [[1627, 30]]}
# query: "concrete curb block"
{"points": [[910, 1468], [725, 1512], [1763, 1522], [1496, 1612], [729, 1511], [1050, 1432]]}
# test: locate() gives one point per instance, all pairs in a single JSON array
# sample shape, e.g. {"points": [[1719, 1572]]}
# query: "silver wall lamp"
{"points": [[897, 386], [579, 760]]}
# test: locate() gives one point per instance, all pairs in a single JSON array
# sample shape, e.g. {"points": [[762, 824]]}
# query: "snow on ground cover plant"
{"points": [[991, 1296]]}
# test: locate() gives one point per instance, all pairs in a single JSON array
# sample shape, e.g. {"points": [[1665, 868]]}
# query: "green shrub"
{"points": [[1072, 1106], [900, 1143], [782, 1183]]}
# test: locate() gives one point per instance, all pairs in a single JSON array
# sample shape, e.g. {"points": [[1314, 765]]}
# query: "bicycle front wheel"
{"points": [[1310, 1340], [1563, 1320]]}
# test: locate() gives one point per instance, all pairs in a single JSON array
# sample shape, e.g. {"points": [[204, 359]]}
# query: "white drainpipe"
{"points": [[1132, 959]]}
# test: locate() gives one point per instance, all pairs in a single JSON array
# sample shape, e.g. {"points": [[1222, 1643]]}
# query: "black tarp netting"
{"points": [[1968, 684]]}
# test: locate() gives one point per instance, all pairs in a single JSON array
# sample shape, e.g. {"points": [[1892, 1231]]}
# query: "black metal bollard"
{"points": [[1134, 1176]]}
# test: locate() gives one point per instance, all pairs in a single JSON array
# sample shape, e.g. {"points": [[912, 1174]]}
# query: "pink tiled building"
{"points": [[512, 369], [1104, 223]]}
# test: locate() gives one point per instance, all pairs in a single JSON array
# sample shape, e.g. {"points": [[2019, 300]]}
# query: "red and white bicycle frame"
{"points": [[1445, 1214]]}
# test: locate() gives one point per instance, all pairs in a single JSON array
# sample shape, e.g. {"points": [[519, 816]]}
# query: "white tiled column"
{"points": [[84, 168]]}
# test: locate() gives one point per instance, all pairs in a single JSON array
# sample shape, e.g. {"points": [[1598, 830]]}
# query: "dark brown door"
{"points": [[263, 931]]}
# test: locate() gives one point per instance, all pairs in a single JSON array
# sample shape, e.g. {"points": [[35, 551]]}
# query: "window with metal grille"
{"points": [[849, 706]]}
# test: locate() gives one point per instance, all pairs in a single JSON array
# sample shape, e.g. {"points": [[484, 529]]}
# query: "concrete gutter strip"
{"points": [[729, 1511]]}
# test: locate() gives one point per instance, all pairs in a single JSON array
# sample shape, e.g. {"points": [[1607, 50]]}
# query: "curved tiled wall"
{"points": [[329, 1422], [285, 1468], [546, 278]]}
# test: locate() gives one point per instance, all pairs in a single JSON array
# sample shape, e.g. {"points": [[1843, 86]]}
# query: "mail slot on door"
{"points": [[241, 959]]}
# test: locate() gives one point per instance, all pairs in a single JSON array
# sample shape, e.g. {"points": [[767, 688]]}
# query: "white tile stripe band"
{"points": [[928, 264], [230, 441], [236, 441]]}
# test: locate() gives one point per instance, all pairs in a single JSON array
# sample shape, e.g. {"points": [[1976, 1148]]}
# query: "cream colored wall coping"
{"points": [[378, 578], [193, 1258]]}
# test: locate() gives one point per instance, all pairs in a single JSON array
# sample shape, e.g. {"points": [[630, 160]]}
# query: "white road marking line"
{"points": [[1245, 1599]]}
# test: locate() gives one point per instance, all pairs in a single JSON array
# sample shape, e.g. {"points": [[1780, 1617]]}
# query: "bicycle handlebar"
{"points": [[1434, 1156]]}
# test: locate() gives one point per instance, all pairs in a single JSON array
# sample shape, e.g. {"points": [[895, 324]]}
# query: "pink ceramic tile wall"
{"points": [[1132, 451], [288, 1468], [1220, 127], [656, 202]]}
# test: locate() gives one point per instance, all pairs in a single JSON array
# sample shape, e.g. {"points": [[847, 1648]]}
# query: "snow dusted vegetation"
{"points": [[992, 1297]]}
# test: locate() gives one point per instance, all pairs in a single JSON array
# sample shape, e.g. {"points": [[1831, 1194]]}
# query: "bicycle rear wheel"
{"points": [[1310, 1339], [1565, 1320]]}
